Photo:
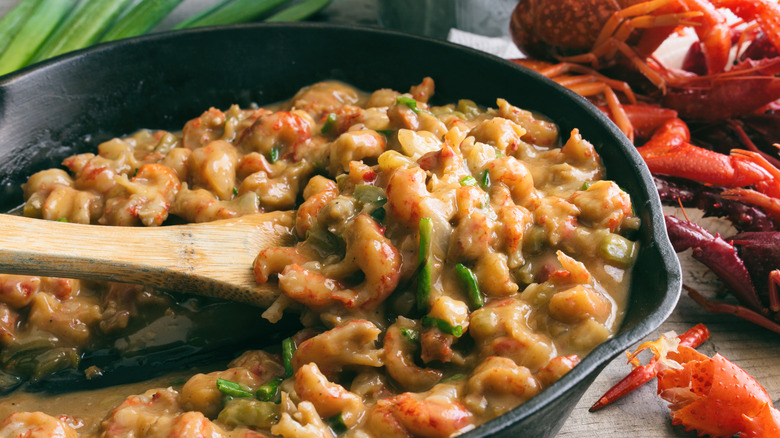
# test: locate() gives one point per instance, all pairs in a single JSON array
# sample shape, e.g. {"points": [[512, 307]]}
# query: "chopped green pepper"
{"points": [[233, 388], [444, 326], [472, 287]]}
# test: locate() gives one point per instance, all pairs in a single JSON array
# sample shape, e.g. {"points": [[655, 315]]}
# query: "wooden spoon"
{"points": [[213, 258]]}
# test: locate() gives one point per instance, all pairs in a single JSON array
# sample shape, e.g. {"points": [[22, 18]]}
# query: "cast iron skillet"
{"points": [[72, 103]]}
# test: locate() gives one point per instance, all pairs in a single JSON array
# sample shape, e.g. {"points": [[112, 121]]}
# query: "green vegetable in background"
{"points": [[299, 12], [14, 20], [37, 26], [140, 19], [231, 12], [82, 27]]}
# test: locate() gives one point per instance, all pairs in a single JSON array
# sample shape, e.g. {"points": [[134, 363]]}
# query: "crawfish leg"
{"points": [[738, 311], [774, 295], [642, 374]]}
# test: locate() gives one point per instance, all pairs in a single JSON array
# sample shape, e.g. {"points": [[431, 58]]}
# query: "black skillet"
{"points": [[74, 102]]}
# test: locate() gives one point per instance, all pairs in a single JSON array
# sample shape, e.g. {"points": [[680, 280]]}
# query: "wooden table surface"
{"points": [[641, 414]]}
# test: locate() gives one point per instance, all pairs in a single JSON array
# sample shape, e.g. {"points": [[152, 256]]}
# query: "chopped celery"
{"points": [[366, 194], [444, 326], [472, 287], [233, 388], [617, 250], [249, 412], [469, 108], [301, 11]]}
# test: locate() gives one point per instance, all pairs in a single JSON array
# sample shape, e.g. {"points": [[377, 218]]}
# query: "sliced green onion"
{"points": [[366, 194], [274, 155], [453, 377], [411, 334], [140, 19], [82, 27], [235, 191], [484, 179], [468, 181], [444, 326], [233, 388], [586, 185], [62, 219], [329, 123], [41, 23], [15, 20], [231, 12], [378, 214], [288, 348], [386, 132], [472, 287], [299, 12], [424, 278], [337, 424], [617, 250], [268, 391], [408, 101]]}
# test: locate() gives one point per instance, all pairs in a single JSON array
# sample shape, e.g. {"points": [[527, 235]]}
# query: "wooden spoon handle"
{"points": [[213, 258]]}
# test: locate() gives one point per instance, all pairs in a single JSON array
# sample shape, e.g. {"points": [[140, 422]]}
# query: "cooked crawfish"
{"points": [[626, 33], [712, 396]]}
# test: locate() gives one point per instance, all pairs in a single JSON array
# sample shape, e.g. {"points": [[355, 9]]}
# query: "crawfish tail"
{"points": [[716, 254]]}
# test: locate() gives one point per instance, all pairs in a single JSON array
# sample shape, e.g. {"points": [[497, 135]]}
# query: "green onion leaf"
{"points": [[468, 181], [424, 277], [82, 27], [472, 287], [231, 12], [299, 12], [235, 191], [41, 23], [233, 388], [140, 19], [14, 20], [444, 326], [426, 230], [62, 219], [288, 348], [586, 185], [411, 334]]}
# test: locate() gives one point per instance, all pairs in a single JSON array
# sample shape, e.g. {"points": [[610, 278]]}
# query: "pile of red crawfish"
{"points": [[708, 130]]}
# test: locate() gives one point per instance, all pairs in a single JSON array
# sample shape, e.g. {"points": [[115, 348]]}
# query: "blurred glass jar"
{"points": [[435, 18]]}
